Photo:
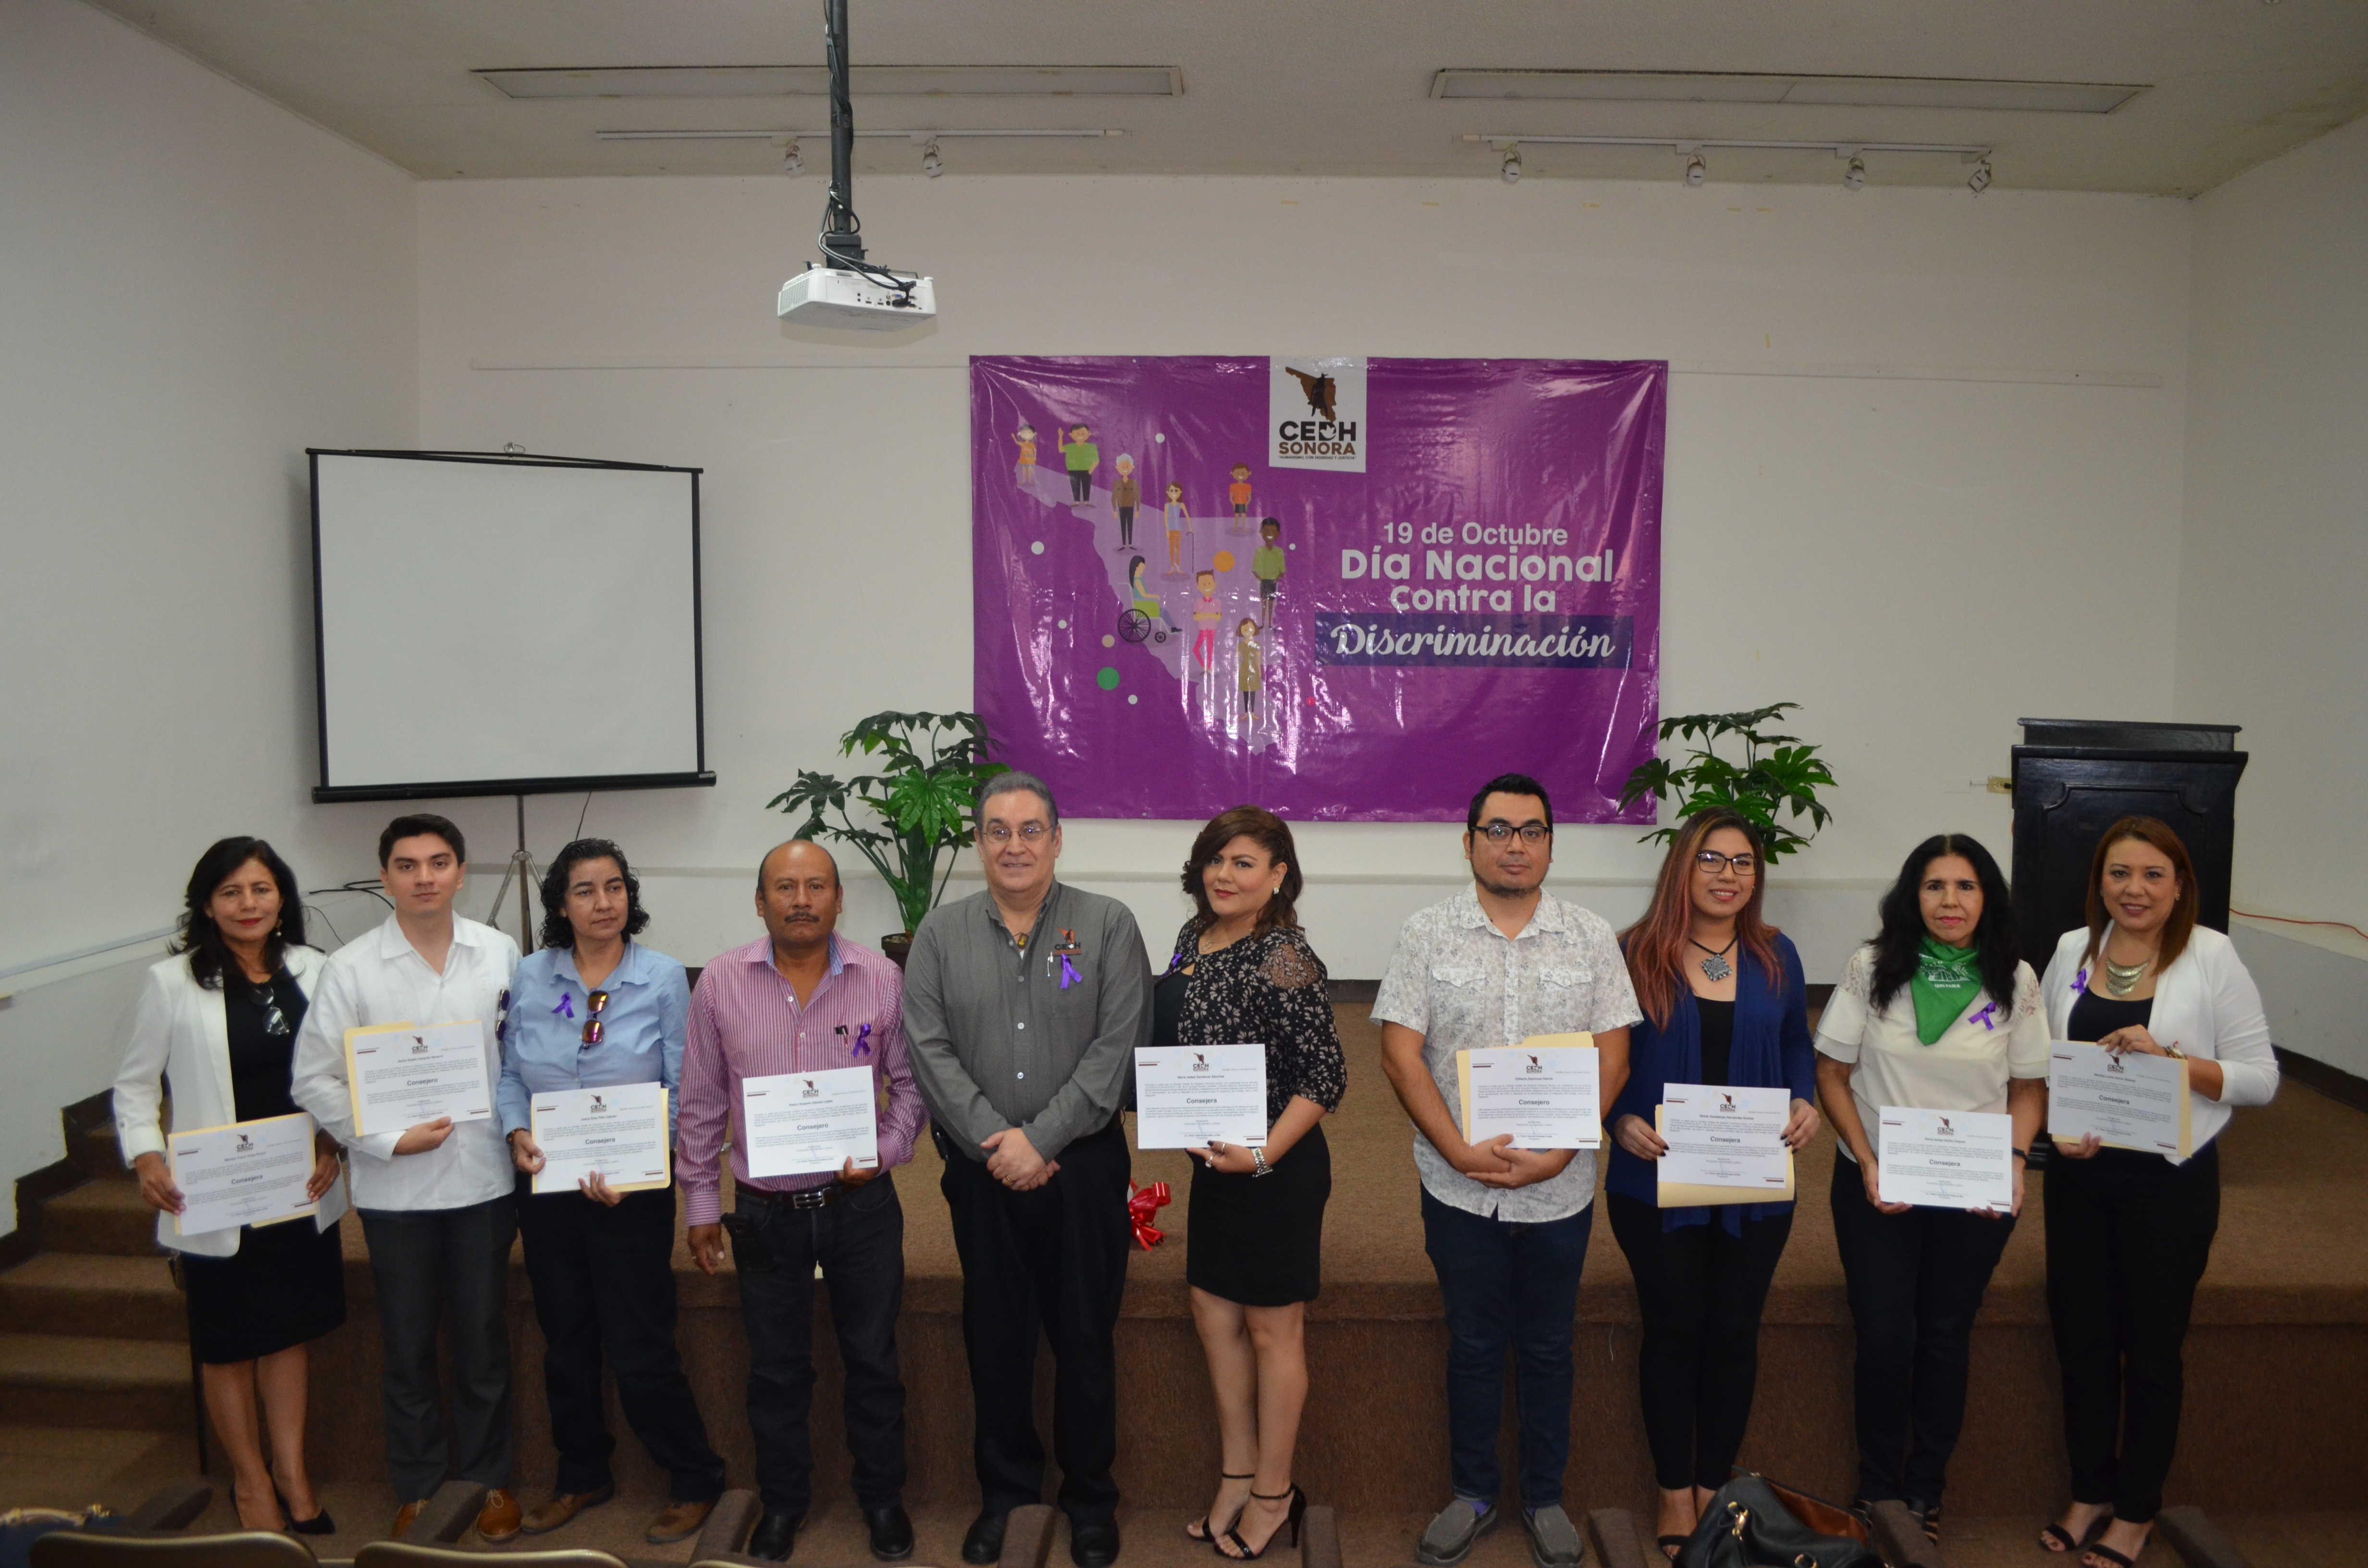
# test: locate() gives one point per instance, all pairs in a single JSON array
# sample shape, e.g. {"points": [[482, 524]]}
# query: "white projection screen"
{"points": [[489, 625]]}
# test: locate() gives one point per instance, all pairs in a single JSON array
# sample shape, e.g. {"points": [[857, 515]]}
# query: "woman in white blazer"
{"points": [[219, 1020], [2128, 1231]]}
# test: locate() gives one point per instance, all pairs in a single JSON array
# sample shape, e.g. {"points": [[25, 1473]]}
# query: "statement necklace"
{"points": [[2120, 979], [1716, 966]]}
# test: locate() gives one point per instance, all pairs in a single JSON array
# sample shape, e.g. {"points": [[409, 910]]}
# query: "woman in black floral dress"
{"points": [[1243, 973]]}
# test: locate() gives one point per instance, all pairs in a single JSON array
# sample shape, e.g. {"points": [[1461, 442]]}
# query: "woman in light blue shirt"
{"points": [[592, 1009]]}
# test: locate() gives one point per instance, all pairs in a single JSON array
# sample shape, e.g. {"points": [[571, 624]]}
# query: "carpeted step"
{"points": [[62, 1381], [93, 1294], [101, 1155], [100, 1217]]}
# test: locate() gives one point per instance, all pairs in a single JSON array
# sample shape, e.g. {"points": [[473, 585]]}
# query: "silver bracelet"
{"points": [[1258, 1165]]}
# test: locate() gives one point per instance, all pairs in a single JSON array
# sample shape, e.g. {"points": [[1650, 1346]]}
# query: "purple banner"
{"points": [[1346, 590]]}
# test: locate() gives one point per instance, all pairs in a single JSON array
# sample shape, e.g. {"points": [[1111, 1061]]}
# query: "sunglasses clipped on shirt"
{"points": [[595, 1004]]}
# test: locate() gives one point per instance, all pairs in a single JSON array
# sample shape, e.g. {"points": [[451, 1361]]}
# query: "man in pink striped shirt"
{"points": [[805, 999]]}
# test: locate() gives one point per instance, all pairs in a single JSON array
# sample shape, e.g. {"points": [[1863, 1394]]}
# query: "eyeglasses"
{"points": [[1501, 833], [593, 1033], [1711, 861], [1000, 833], [274, 1022]]}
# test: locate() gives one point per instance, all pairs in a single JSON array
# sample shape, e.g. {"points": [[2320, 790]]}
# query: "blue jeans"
{"points": [[1509, 1287]]}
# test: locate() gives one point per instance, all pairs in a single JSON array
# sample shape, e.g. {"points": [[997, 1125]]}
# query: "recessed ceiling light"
{"points": [[814, 81], [1753, 88]]}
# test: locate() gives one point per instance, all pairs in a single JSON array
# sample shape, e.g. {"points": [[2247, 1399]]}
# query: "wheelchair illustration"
{"points": [[1135, 626]]}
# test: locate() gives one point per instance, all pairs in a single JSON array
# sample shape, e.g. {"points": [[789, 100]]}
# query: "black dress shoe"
{"points": [[1093, 1543], [984, 1541], [775, 1535], [892, 1533]]}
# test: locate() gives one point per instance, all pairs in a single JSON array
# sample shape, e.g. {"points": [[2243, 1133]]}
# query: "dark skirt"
{"points": [[284, 1287], [1260, 1240]]}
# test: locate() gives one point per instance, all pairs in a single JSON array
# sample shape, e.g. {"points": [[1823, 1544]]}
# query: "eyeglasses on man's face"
{"points": [[1503, 833], [1711, 862], [1000, 833]]}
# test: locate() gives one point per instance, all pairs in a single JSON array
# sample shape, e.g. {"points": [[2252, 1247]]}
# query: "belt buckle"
{"points": [[813, 1198]]}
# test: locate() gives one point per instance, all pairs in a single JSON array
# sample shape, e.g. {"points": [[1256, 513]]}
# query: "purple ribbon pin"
{"points": [[1988, 1016], [1069, 975], [566, 1008], [2080, 980], [862, 1046]]}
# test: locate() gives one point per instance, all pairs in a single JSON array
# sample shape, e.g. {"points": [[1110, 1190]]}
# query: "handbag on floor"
{"points": [[1749, 1524]]}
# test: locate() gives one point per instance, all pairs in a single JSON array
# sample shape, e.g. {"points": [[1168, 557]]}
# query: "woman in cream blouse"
{"points": [[1937, 1013], [2129, 1233]]}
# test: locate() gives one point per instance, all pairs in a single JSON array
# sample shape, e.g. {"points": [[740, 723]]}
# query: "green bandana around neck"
{"points": [[1946, 980]]}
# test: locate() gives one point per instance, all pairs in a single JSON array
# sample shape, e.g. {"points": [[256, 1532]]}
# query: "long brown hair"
{"points": [[1269, 833], [1657, 944], [2181, 922]]}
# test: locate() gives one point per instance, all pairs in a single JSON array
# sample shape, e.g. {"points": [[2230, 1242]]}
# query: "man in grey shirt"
{"points": [[1023, 1007]]}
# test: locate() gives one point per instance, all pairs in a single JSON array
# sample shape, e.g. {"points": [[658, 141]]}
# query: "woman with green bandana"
{"points": [[1938, 1013]]}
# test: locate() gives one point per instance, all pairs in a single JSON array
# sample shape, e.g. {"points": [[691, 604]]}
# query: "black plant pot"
{"points": [[898, 946]]}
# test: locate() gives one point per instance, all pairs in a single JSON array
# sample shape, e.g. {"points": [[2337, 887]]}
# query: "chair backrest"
{"points": [[237, 1549], [403, 1554]]}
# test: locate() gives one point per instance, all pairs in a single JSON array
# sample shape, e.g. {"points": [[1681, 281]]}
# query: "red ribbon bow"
{"points": [[1142, 1203]]}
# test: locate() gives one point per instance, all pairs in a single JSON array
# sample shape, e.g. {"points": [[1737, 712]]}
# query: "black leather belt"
{"points": [[809, 1198]]}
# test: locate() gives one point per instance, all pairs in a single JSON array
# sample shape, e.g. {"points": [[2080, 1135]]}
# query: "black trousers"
{"points": [[1915, 1281], [603, 1282], [425, 1261], [1054, 1261], [2128, 1236], [1081, 485], [859, 1241], [1699, 1291]]}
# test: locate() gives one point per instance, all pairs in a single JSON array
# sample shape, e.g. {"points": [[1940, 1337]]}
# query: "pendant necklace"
{"points": [[2120, 979], [1716, 966]]}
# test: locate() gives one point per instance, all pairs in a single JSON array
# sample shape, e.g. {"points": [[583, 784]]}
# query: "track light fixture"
{"points": [[1854, 177], [1696, 170], [1979, 181], [791, 163], [933, 163], [1511, 168]]}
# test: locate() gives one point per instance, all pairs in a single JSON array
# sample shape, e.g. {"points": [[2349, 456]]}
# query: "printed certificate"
{"points": [[248, 1173], [1188, 1097], [620, 1130], [2134, 1101], [803, 1123], [1726, 1145], [1945, 1159], [1545, 1091], [401, 1075]]}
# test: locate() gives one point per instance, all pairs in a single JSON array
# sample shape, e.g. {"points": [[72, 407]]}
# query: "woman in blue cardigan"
{"points": [[1723, 1004]]}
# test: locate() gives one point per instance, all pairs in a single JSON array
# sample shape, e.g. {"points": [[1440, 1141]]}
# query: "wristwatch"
{"points": [[1258, 1166]]}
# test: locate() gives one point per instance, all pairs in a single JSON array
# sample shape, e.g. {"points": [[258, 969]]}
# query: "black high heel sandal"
{"points": [[1203, 1529], [1233, 1534], [2057, 1540], [319, 1524]]}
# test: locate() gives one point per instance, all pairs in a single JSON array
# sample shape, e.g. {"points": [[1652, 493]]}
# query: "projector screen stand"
{"points": [[522, 866]]}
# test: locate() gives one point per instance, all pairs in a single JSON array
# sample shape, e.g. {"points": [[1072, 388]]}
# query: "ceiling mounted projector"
{"points": [[832, 297], [847, 291]]}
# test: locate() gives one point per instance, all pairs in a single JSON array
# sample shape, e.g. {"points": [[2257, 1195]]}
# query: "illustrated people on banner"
{"points": [[1266, 565], [1205, 614], [1125, 496], [1025, 439], [1177, 519], [1083, 457], [1249, 669], [1146, 597], [1238, 493]]}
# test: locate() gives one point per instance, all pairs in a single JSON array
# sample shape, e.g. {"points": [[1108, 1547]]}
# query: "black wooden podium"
{"points": [[2073, 778]]}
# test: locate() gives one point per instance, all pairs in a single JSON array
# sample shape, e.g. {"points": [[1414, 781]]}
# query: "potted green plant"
{"points": [[1776, 772], [931, 767]]}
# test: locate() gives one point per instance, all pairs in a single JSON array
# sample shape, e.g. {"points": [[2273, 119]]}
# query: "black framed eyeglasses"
{"points": [[595, 1005], [1711, 861], [1532, 833]]}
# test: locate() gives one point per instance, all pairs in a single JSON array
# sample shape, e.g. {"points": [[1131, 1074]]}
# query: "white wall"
{"points": [[1915, 560], [197, 286], [2274, 562]]}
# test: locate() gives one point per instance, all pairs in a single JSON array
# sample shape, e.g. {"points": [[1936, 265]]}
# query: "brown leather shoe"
{"points": [[679, 1522], [564, 1506], [498, 1520], [404, 1517]]}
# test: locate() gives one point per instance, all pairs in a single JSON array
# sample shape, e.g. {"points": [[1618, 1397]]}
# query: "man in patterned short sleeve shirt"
{"points": [[1505, 1228]]}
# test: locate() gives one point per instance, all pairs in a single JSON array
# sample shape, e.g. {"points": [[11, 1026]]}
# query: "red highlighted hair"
{"points": [[1656, 945]]}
